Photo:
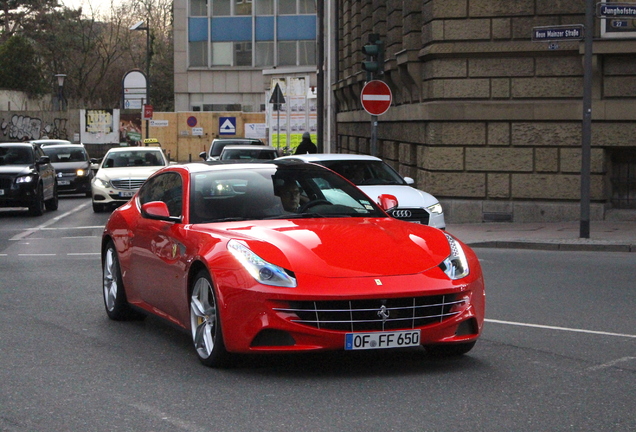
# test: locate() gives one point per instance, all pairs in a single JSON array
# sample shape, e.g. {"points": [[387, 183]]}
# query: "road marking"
{"points": [[85, 253], [30, 231], [611, 364], [560, 328], [36, 255]]}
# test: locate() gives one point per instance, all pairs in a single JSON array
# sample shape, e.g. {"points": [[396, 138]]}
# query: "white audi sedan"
{"points": [[375, 178], [122, 171]]}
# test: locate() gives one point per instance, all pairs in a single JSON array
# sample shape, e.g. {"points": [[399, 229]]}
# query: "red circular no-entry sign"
{"points": [[376, 97]]}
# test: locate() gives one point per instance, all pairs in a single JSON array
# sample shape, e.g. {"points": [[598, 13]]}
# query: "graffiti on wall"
{"points": [[23, 128]]}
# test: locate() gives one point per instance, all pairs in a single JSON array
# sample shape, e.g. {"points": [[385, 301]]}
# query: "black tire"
{"points": [[449, 350], [114, 293], [53, 203], [205, 323], [37, 206], [98, 208]]}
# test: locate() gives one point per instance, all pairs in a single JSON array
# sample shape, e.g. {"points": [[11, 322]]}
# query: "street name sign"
{"points": [[558, 33], [376, 97], [616, 10]]}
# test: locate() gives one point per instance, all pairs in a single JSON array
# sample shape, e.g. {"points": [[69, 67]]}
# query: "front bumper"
{"points": [[12, 195], [111, 195], [72, 183], [265, 319]]}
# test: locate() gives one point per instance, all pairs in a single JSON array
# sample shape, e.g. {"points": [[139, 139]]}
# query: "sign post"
{"points": [[578, 32], [277, 99], [376, 99]]}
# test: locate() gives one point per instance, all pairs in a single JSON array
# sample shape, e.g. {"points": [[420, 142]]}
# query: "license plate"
{"points": [[127, 194], [379, 340], [64, 182]]}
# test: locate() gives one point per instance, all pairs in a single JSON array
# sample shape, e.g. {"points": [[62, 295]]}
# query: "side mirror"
{"points": [[387, 202], [409, 180], [158, 210], [203, 155], [43, 160]]}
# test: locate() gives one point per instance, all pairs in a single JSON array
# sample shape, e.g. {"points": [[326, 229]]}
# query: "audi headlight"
{"points": [[264, 272], [435, 208], [24, 179], [101, 182], [456, 265]]}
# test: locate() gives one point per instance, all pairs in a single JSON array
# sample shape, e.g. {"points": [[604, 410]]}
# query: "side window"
{"points": [[165, 187]]}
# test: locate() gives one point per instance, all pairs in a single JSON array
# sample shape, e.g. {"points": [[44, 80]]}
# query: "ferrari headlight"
{"points": [[264, 272], [24, 179], [101, 183], [456, 265], [435, 208]]}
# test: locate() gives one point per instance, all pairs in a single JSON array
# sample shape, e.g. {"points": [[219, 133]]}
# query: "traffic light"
{"points": [[374, 64]]}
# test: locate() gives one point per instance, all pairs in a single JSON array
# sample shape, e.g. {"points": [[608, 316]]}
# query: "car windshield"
{"points": [[218, 145], [273, 192], [365, 172], [132, 158], [15, 155], [65, 154]]}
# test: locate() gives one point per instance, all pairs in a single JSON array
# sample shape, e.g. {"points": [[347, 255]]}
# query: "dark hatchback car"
{"points": [[219, 143], [27, 178], [72, 167]]}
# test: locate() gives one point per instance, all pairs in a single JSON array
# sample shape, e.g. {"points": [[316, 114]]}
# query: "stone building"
{"points": [[484, 118]]}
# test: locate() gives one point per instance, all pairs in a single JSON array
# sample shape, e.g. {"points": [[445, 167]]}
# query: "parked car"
{"points": [[72, 167], [48, 142], [217, 145], [122, 172], [283, 256], [375, 177], [247, 153], [27, 178]]}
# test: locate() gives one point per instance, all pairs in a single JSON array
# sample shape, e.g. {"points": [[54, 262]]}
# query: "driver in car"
{"points": [[289, 194]]}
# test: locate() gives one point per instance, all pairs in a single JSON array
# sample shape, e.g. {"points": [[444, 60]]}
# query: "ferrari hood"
{"points": [[354, 247]]}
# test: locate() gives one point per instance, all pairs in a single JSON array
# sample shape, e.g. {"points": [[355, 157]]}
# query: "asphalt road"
{"points": [[558, 353]]}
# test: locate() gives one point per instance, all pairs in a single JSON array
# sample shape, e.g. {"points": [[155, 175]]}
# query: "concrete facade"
{"points": [[482, 117]]}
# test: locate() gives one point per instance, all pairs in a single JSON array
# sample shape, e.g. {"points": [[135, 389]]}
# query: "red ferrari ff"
{"points": [[285, 256]]}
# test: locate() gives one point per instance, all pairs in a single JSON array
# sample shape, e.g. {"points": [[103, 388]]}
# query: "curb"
{"points": [[555, 246]]}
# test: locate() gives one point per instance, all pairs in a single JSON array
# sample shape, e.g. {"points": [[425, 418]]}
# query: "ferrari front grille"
{"points": [[130, 184], [374, 314]]}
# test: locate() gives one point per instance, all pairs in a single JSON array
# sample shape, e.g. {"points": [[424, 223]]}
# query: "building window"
{"points": [[264, 54], [287, 7], [624, 179], [242, 54], [306, 53], [198, 54], [222, 54], [243, 7], [264, 7], [287, 53], [221, 8], [198, 8], [306, 6]]}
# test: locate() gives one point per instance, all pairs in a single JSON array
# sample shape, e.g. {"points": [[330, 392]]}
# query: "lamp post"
{"points": [[61, 102], [140, 26]]}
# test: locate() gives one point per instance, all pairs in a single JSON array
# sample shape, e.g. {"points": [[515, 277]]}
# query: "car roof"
{"points": [[247, 147], [237, 139], [71, 145], [125, 149], [19, 143], [317, 157], [50, 141]]}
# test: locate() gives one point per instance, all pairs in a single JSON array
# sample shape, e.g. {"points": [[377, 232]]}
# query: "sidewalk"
{"points": [[607, 236]]}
